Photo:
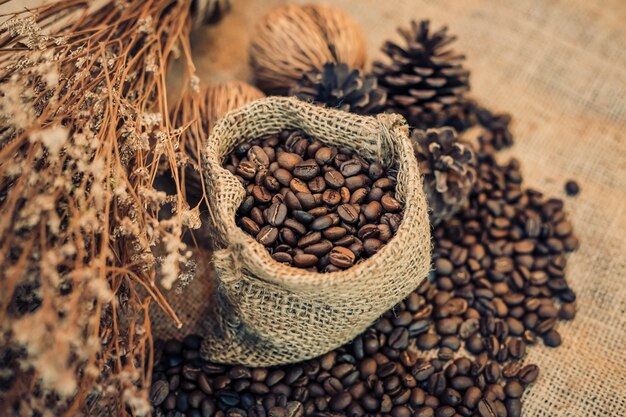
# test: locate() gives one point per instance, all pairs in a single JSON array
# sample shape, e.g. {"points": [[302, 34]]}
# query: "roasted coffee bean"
{"points": [[283, 176], [350, 168], [288, 160], [349, 213], [486, 408], [309, 239], [341, 257], [340, 401], [276, 214], [249, 226], [334, 233], [358, 196], [390, 204], [317, 185], [247, 170], [324, 155], [331, 197], [159, 392], [267, 235], [304, 260], [371, 246], [321, 223], [319, 249], [372, 211], [528, 374], [294, 225], [572, 188], [306, 170], [334, 179]]}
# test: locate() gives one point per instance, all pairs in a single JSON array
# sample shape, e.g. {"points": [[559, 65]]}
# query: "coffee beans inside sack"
{"points": [[314, 206]]}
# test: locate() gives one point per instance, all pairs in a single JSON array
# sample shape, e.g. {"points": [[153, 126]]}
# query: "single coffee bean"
{"points": [[322, 223], [317, 185], [309, 239], [319, 249], [258, 156], [348, 213], [552, 338], [358, 196], [159, 392], [299, 187], [356, 182], [267, 235], [276, 214], [283, 257], [261, 195], [331, 197], [350, 168], [341, 257], [324, 155], [375, 171], [247, 170], [384, 183], [288, 160], [303, 216], [334, 179], [372, 211], [306, 170], [572, 188], [304, 260], [390, 204], [318, 211], [371, 246], [340, 401], [283, 176], [486, 408], [345, 194], [528, 374], [307, 200], [334, 233], [249, 226]]}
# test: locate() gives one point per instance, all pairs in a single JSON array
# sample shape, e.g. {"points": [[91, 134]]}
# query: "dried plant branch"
{"points": [[85, 131]]}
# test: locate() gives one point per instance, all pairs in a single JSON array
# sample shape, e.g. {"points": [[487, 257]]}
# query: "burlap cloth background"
{"points": [[559, 67]]}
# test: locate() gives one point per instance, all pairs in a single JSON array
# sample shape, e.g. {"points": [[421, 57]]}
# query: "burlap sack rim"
{"points": [[240, 243]]}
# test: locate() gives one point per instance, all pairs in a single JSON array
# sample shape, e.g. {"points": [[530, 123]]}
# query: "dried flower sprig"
{"points": [[84, 132]]}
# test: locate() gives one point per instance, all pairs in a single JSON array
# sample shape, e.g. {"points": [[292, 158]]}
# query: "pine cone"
{"points": [[425, 80], [448, 168], [339, 87]]}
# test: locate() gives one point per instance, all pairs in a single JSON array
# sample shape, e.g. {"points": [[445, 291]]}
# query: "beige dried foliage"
{"points": [[84, 131], [203, 109], [292, 40]]}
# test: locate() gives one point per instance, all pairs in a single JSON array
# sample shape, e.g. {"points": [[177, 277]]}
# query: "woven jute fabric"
{"points": [[267, 313], [559, 68]]}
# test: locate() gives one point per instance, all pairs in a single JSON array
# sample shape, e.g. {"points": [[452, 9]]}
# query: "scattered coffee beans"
{"points": [[498, 286], [314, 206]]}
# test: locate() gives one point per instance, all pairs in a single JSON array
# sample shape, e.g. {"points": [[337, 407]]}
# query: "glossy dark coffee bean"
{"points": [[276, 214], [267, 235], [372, 211], [321, 223], [334, 179], [305, 260], [342, 257], [306, 170], [288, 160]]}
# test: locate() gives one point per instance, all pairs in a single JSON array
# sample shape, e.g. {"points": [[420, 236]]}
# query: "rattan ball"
{"points": [[292, 40]]}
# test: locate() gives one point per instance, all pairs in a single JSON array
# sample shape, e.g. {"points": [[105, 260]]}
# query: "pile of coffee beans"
{"points": [[454, 347], [311, 205]]}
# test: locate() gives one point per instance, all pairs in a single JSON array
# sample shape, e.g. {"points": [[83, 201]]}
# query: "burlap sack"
{"points": [[266, 313]]}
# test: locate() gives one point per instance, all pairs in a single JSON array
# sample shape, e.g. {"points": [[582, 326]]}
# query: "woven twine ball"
{"points": [[215, 101], [292, 40]]}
